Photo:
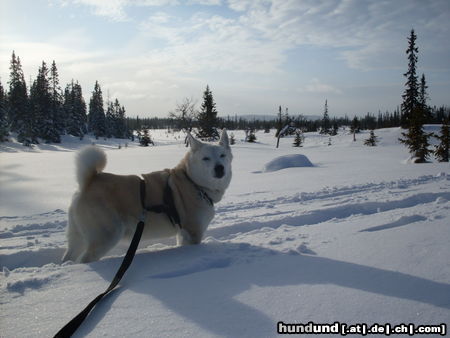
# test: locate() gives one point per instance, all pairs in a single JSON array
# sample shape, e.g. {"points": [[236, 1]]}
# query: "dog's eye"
{"points": [[222, 156], [206, 158]]}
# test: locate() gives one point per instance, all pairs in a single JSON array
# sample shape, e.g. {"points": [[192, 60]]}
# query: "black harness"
{"points": [[168, 207]]}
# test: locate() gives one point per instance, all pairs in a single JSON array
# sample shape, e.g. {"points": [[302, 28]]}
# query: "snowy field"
{"points": [[342, 233]]}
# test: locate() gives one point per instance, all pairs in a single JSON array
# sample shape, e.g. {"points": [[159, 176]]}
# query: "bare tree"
{"points": [[184, 114]]}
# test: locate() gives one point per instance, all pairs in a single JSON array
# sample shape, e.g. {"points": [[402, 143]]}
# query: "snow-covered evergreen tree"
{"points": [[96, 117], [4, 130], [120, 130], [232, 139], [441, 151], [354, 127], [299, 138], [250, 136], [416, 139], [145, 139], [414, 108], [115, 120], [372, 140], [56, 96], [75, 110], [334, 129], [207, 117], [325, 125], [20, 117], [109, 120], [423, 98], [411, 94], [42, 106]]}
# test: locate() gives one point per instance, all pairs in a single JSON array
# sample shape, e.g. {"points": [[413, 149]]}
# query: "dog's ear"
{"points": [[193, 143], [224, 142]]}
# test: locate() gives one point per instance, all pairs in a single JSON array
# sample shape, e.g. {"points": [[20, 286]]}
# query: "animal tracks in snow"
{"points": [[331, 204]]}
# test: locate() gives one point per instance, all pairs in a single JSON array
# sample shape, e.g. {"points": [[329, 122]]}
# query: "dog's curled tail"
{"points": [[89, 162]]}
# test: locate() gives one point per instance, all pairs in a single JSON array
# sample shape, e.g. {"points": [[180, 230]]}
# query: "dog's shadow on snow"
{"points": [[201, 283]]}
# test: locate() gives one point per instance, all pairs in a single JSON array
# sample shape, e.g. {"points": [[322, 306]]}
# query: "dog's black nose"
{"points": [[219, 171]]}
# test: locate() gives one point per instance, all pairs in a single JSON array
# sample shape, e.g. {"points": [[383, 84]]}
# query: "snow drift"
{"points": [[287, 161]]}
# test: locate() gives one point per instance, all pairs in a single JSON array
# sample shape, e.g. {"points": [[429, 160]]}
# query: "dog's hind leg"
{"points": [[75, 241], [101, 239]]}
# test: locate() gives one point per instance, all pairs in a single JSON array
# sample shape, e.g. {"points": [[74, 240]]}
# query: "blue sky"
{"points": [[255, 55]]}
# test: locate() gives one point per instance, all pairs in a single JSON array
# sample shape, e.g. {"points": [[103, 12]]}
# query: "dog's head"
{"points": [[209, 165]]}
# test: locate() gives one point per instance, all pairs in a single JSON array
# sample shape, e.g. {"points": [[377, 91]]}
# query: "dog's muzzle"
{"points": [[219, 171]]}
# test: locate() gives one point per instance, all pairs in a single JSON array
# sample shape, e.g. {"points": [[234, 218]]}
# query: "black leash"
{"points": [[69, 329], [170, 210]]}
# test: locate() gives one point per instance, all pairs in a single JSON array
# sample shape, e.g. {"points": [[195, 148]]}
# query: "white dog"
{"points": [[107, 207]]}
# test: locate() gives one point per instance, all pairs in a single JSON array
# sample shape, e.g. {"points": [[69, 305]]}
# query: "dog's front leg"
{"points": [[186, 238]]}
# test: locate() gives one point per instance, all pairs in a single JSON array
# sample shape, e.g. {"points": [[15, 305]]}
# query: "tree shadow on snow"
{"points": [[201, 283]]}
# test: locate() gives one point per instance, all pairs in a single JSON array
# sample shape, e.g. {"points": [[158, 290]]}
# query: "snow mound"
{"points": [[287, 161]]}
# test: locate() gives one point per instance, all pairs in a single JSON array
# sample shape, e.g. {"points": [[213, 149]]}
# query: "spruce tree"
{"points": [[298, 140], [411, 94], [354, 127], [145, 139], [207, 117], [115, 120], [42, 106], [422, 99], [325, 126], [232, 139], [68, 110], [96, 118], [75, 110], [4, 132], [416, 139], [109, 120], [441, 151], [251, 137], [414, 108], [372, 140], [20, 118], [57, 111], [120, 126], [334, 129]]}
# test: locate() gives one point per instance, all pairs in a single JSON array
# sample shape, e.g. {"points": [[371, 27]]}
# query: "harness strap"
{"points": [[168, 207]]}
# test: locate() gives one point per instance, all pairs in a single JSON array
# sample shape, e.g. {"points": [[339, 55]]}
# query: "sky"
{"points": [[255, 55]]}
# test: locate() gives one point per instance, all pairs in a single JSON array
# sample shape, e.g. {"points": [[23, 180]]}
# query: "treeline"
{"points": [[45, 112], [368, 121]]}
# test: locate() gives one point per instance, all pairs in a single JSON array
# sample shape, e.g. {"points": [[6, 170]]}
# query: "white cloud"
{"points": [[364, 30], [317, 87], [210, 44], [205, 2], [113, 9]]}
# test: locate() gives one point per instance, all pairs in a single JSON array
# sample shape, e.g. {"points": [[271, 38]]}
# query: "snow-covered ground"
{"points": [[344, 233]]}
